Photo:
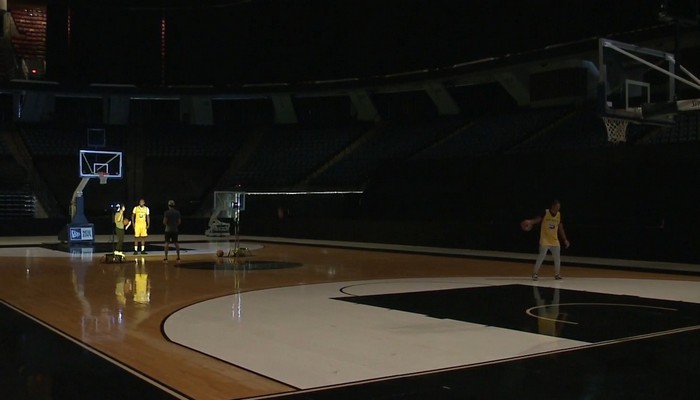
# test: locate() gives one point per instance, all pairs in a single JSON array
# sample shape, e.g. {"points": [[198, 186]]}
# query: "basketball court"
{"points": [[276, 318], [340, 319]]}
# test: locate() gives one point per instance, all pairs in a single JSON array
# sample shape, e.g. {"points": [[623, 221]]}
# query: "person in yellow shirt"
{"points": [[142, 285], [551, 230], [141, 218]]}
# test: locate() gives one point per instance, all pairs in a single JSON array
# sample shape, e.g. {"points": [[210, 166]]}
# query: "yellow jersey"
{"points": [[138, 215], [142, 292], [549, 229]]}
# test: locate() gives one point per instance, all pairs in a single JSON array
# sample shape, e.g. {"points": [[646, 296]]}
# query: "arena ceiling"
{"points": [[255, 41]]}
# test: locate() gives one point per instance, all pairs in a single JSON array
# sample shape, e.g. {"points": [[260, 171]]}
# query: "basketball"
{"points": [[219, 253], [126, 221], [526, 225]]}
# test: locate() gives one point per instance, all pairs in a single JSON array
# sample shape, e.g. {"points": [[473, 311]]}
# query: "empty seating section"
{"points": [[31, 23], [687, 129], [17, 205], [492, 133], [393, 143], [12, 175], [184, 162], [188, 162], [579, 130], [191, 141], [55, 155], [286, 155], [187, 180], [47, 141]]}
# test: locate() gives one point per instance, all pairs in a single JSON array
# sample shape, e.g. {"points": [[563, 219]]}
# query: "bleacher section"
{"points": [[54, 152], [394, 143], [582, 130], [191, 141], [492, 133], [687, 129], [30, 45], [287, 154], [12, 175], [48, 141], [184, 163], [469, 176], [17, 205]]}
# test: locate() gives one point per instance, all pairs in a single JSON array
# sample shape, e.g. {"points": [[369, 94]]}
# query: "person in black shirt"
{"points": [[172, 221]]}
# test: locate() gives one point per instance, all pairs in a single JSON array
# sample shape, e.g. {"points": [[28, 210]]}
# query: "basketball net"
{"points": [[103, 178], [617, 129]]}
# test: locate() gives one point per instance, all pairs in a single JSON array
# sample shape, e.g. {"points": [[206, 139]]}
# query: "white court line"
{"points": [[529, 310]]}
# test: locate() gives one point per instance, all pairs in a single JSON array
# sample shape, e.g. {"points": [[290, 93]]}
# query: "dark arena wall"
{"points": [[634, 201], [625, 202], [234, 42]]}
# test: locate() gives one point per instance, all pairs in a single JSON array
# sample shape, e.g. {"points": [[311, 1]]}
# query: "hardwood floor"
{"points": [[118, 309]]}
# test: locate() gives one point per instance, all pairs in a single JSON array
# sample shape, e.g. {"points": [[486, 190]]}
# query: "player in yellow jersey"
{"points": [[142, 286], [551, 230], [141, 218]]}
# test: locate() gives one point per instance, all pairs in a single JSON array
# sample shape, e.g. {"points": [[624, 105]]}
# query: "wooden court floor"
{"points": [[82, 298]]}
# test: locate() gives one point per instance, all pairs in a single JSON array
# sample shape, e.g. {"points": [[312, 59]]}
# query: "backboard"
{"points": [[632, 77], [228, 203], [95, 163]]}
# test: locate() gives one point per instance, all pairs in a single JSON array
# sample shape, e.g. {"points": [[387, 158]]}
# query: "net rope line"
{"points": [[103, 177], [617, 129]]}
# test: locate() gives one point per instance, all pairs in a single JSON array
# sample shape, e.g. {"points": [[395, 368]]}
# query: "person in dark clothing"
{"points": [[172, 221]]}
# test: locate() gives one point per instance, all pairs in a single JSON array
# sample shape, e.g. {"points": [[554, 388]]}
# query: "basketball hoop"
{"points": [[617, 129], [103, 178]]}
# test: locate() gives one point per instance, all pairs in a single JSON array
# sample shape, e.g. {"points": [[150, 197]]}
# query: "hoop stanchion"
{"points": [[617, 129]]}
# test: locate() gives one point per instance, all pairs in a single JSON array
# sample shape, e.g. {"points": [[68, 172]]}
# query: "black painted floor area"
{"points": [[572, 314], [665, 367], [663, 363], [37, 363]]}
